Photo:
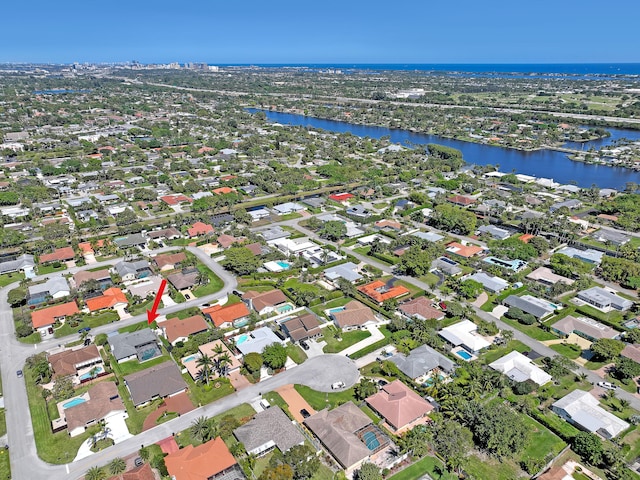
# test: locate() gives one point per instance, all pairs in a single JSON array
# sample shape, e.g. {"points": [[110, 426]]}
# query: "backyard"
{"points": [[338, 341]]}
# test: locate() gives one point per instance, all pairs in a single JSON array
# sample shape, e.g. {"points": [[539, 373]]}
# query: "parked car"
{"points": [[138, 461], [304, 345], [84, 329], [305, 413], [19, 373], [607, 385], [337, 385], [443, 305], [264, 403]]}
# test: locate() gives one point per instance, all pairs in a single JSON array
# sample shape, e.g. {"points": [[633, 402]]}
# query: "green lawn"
{"points": [[320, 400], [136, 415], [541, 441], [371, 414], [429, 465], [534, 331], [45, 269], [490, 468], [202, 394], [9, 278], [492, 354], [347, 339], [274, 398], [430, 279], [93, 321], [374, 346], [143, 307], [57, 448], [132, 366], [214, 285], [569, 351], [632, 439], [335, 303], [3, 422], [135, 327], [262, 463], [296, 353], [612, 317], [5, 467]]}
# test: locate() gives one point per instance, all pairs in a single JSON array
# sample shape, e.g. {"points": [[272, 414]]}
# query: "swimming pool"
{"points": [[73, 403], [92, 373], [284, 308], [284, 265], [370, 440], [337, 309], [189, 359], [241, 339], [464, 355]]}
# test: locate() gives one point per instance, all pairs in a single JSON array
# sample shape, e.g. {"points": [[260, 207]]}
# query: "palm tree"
{"points": [[95, 473], [206, 363], [221, 364], [117, 466], [203, 429]]}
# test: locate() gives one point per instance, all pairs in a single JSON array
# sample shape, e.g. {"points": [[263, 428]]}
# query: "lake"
{"points": [[541, 163]]}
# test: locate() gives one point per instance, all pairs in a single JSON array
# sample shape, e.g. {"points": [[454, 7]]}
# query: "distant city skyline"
{"points": [[329, 32]]}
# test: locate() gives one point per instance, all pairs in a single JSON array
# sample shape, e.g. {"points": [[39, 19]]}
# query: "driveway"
{"points": [[315, 348], [376, 336], [295, 401]]}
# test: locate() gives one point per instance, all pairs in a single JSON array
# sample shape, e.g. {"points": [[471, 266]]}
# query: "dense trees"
{"points": [[453, 219], [567, 266], [241, 260], [368, 471], [607, 348], [274, 356], [625, 272], [517, 314], [333, 230], [453, 442]]}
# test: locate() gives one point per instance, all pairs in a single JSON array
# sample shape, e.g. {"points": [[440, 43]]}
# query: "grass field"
{"points": [[92, 321], [490, 468], [214, 285], [429, 465], [320, 400], [541, 441], [9, 278], [534, 331], [45, 269], [5, 467], [567, 350], [127, 368], [296, 353], [348, 339], [491, 355], [202, 394]]}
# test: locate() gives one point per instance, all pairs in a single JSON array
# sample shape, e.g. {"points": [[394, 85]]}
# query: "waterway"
{"points": [[540, 163], [616, 134]]}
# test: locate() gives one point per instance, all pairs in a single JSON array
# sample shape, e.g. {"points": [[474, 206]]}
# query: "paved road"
{"points": [[548, 352], [23, 453]]}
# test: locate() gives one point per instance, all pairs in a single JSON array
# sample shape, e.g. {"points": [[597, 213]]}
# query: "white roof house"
{"points": [[463, 333], [520, 369], [295, 246], [583, 409]]}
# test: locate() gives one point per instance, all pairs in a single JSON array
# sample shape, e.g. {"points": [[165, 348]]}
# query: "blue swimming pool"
{"points": [[241, 339], [190, 358], [337, 309], [73, 403], [284, 265], [284, 308], [92, 373], [370, 440], [464, 355]]}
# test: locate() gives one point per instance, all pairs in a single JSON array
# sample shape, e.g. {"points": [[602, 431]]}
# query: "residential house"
{"points": [[421, 362], [535, 306], [185, 279], [589, 255], [421, 309], [614, 238], [265, 303], [256, 340], [210, 349], [55, 287], [342, 432], [258, 213], [103, 277], [175, 199], [341, 197], [520, 369], [495, 232], [225, 241], [164, 234], [355, 315], [302, 327], [489, 283], [128, 271], [401, 407], [143, 472], [584, 327], [169, 261], [447, 266], [104, 403], [465, 251], [604, 299], [347, 271], [632, 352], [43, 319], [388, 225], [289, 207], [133, 240], [23, 263], [176, 330], [583, 410], [546, 276], [65, 254], [142, 345], [199, 229], [314, 202], [204, 462], [358, 211], [464, 334], [570, 204], [379, 291], [461, 200], [160, 381], [267, 430], [76, 362], [111, 298], [227, 316], [428, 236], [293, 247], [274, 233]]}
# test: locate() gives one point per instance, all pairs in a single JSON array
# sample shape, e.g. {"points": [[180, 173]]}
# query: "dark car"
{"points": [[305, 413], [304, 345], [19, 373], [84, 329]]}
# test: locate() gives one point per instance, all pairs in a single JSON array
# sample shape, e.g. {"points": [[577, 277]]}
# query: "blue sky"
{"points": [[326, 31]]}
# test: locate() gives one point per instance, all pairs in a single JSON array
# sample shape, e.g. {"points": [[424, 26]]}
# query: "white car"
{"points": [[337, 385], [607, 385]]}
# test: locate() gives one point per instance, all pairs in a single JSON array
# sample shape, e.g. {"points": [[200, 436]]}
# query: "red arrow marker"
{"points": [[151, 314]]}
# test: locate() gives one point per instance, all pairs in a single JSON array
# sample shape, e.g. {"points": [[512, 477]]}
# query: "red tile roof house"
{"points": [[223, 190], [176, 330], [225, 241], [169, 261], [111, 297], [200, 228], [380, 291], [227, 316], [388, 225], [461, 200], [143, 472], [59, 255], [43, 320], [354, 316], [265, 303], [401, 407], [341, 197], [207, 461], [421, 309], [175, 199]]}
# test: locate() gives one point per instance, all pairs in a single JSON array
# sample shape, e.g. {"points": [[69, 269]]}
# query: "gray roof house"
{"points": [[589, 255], [490, 284], [421, 361], [495, 232], [604, 299], [570, 204], [583, 410], [131, 241], [429, 236], [348, 271], [528, 304], [446, 265], [358, 211], [268, 429], [140, 344], [56, 287], [159, 381], [273, 233], [614, 238], [23, 262], [132, 270]]}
